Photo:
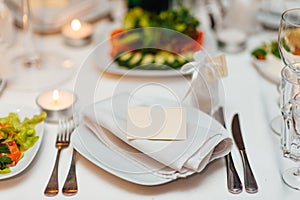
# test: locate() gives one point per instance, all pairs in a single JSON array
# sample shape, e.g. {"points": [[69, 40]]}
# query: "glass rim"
{"points": [[284, 16]]}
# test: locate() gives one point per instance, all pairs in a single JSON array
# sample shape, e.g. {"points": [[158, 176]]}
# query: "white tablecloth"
{"points": [[246, 92]]}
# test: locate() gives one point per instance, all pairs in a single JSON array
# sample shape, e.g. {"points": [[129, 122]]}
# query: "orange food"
{"points": [[15, 153], [296, 52], [200, 37], [4, 125], [116, 31], [178, 47], [261, 57], [116, 47]]}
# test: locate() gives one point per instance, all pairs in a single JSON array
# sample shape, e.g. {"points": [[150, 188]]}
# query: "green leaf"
{"points": [[259, 52], [3, 161], [4, 148]]}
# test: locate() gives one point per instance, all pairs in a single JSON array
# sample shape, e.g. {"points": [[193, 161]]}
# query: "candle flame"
{"points": [[55, 95], [75, 24]]}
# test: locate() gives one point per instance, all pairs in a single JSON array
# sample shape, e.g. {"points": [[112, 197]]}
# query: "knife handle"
{"points": [[234, 184], [249, 179]]}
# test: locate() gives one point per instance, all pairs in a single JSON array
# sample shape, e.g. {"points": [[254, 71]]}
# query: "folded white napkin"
{"points": [[206, 138]]}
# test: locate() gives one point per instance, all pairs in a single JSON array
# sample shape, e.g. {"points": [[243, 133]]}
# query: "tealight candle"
{"points": [[77, 33], [57, 104], [232, 40]]}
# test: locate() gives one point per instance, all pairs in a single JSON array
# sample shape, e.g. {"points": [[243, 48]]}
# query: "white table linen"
{"points": [[246, 93]]}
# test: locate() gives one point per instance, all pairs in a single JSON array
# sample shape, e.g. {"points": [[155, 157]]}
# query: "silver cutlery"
{"points": [[65, 128], [234, 184], [2, 85], [249, 179], [70, 186]]}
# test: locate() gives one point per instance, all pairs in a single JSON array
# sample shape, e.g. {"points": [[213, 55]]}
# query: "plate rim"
{"points": [[117, 173]]}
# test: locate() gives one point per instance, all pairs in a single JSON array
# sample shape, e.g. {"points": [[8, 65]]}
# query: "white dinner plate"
{"points": [[30, 154], [111, 161], [269, 68]]}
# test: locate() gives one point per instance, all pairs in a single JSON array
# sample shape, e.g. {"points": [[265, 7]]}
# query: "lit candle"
{"points": [[57, 104], [77, 33]]}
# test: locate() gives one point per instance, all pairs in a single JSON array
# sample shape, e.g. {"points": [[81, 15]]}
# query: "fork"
{"points": [[2, 85], [70, 186], [65, 128]]}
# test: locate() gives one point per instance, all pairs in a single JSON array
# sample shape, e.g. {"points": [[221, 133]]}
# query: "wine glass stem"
{"points": [[31, 58]]}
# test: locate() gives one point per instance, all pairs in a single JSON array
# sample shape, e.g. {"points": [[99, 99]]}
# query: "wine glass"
{"points": [[291, 137], [289, 37], [6, 38], [289, 48], [32, 69]]}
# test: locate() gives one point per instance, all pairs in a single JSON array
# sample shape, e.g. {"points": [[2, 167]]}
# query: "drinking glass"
{"points": [[34, 69], [6, 38], [289, 47], [289, 37], [290, 109]]}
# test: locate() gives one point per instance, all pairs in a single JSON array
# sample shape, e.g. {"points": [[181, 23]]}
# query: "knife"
{"points": [[249, 179], [234, 184]]}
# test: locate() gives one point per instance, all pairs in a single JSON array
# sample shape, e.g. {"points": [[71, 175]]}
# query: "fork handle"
{"points": [[52, 186], [70, 186], [233, 180]]}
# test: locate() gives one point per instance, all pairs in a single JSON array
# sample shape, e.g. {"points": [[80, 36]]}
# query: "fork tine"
{"points": [[65, 129], [68, 130], [59, 131], [71, 127], [62, 130]]}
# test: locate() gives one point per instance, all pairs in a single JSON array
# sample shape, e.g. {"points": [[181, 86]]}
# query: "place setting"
{"points": [[138, 99], [29, 65]]}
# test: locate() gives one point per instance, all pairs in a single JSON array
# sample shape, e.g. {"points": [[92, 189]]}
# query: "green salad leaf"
{"points": [[24, 131], [135, 46], [179, 19], [4, 148], [266, 48], [3, 161]]}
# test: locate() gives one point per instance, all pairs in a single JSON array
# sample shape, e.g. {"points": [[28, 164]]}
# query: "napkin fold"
{"points": [[206, 138]]}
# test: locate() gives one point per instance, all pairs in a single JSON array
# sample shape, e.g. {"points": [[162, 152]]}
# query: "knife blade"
{"points": [[234, 183], [249, 179]]}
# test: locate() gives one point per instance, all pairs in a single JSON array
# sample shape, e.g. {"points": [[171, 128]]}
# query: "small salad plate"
{"points": [[29, 154], [266, 59], [270, 68]]}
